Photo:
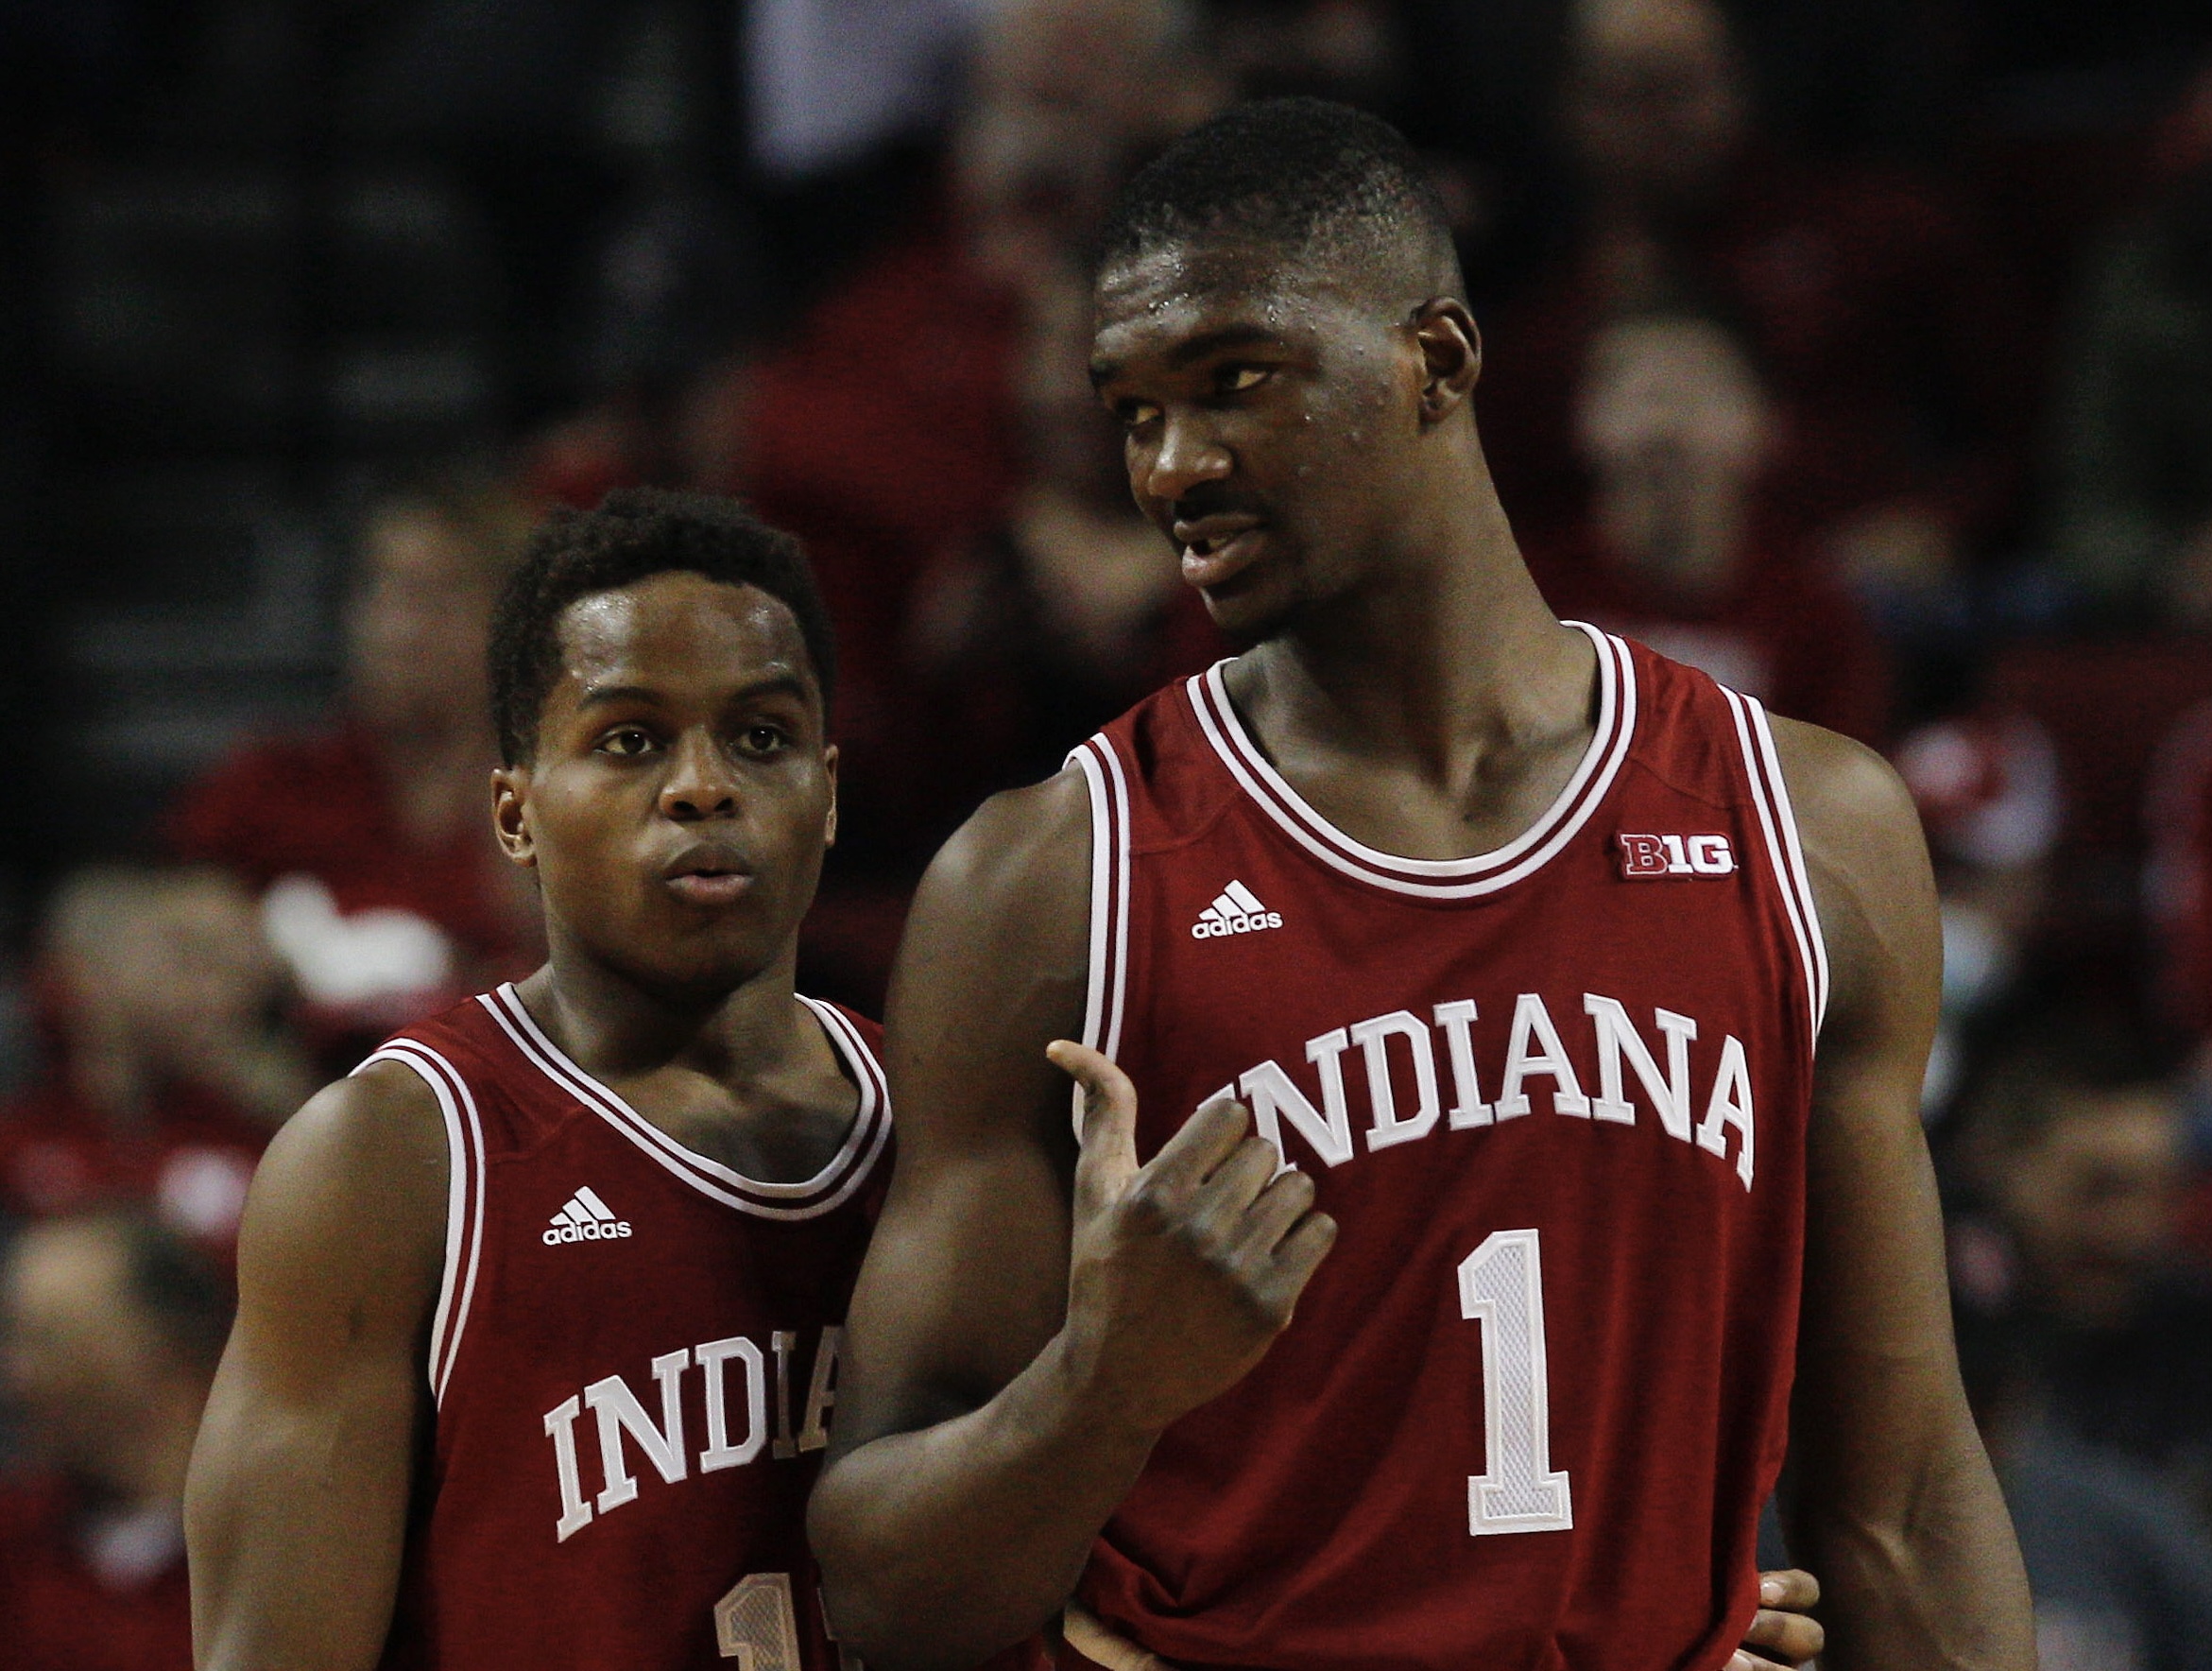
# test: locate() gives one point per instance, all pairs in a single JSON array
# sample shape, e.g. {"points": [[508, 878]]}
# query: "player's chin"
{"points": [[710, 970], [1252, 607]]}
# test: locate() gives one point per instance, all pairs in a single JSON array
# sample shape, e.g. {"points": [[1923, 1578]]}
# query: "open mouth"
{"points": [[1218, 547]]}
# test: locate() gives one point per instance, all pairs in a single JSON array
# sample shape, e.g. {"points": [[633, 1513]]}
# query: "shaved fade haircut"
{"points": [[1314, 178]]}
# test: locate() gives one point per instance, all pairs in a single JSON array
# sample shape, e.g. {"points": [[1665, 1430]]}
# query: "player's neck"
{"points": [[615, 1028], [1450, 660]]}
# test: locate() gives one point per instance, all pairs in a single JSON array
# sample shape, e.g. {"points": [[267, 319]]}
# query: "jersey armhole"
{"points": [[1770, 794], [1108, 983], [464, 1210]]}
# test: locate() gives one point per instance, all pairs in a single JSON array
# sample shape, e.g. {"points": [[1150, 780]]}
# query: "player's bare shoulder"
{"points": [[356, 1181], [1013, 882], [1030, 846], [1865, 858], [996, 956]]}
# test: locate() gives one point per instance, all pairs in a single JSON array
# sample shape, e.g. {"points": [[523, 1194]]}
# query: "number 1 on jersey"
{"points": [[1502, 1286]]}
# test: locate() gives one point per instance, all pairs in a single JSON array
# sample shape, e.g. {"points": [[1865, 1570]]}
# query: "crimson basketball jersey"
{"points": [[633, 1357], [1556, 1097]]}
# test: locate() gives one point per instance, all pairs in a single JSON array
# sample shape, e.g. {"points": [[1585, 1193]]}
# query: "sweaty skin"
{"points": [[1030, 1319], [686, 723]]}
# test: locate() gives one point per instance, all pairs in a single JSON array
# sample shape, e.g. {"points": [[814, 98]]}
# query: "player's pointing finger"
{"points": [[1108, 1133]]}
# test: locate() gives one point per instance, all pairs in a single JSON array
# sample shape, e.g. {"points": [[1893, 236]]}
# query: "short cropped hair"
{"points": [[635, 534], [1306, 175]]}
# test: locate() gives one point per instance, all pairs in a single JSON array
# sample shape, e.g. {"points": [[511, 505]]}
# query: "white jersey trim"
{"points": [[1437, 879], [464, 1214], [847, 1170], [1779, 824], [1106, 988]]}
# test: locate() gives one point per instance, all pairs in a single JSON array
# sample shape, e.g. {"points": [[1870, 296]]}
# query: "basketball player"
{"points": [[540, 1310], [1574, 1013]]}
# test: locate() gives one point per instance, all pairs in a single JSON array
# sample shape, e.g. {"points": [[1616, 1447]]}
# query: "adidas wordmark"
{"points": [[584, 1219], [1236, 911]]}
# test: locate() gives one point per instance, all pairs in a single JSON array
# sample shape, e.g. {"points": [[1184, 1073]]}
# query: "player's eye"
{"points": [[1236, 379], [626, 741], [764, 739], [1135, 414]]}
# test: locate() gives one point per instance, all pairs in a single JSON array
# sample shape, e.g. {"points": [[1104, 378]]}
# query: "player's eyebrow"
{"points": [[774, 684], [1193, 349], [600, 695]]}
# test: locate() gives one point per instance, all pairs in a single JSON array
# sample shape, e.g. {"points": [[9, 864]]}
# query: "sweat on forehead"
{"points": [[1245, 276]]}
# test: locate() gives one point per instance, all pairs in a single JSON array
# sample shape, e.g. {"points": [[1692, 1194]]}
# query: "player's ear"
{"points": [[510, 814], [1451, 356], [830, 771]]}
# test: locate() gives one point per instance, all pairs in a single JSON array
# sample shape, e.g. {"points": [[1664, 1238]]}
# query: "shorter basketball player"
{"points": [[540, 1310]]}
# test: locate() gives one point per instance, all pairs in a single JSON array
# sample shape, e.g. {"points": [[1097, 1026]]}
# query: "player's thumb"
{"points": [[1109, 1121]]}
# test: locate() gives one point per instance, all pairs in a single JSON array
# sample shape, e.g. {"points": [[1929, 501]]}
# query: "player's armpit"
{"points": [[1893, 1500], [296, 1508]]}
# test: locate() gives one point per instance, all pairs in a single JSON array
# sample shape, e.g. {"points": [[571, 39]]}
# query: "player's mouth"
{"points": [[1217, 548], [706, 874]]}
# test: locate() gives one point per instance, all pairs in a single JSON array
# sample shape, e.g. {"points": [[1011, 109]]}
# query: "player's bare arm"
{"points": [[297, 1505], [1894, 1504], [998, 1404]]}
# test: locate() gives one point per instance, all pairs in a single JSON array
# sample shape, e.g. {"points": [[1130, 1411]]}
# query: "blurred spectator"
{"points": [[110, 1335], [1354, 51], [2120, 1570], [890, 413], [2074, 1141], [1013, 644], [1026, 641], [830, 79], [2179, 877], [2132, 523], [1890, 346], [168, 1070], [370, 844], [1986, 785], [1677, 432]]}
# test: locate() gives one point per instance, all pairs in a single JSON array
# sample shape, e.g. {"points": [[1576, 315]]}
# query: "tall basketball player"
{"points": [[540, 1310], [1513, 1146]]}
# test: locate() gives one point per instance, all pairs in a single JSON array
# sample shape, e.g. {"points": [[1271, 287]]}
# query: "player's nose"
{"points": [[1187, 455], [700, 783]]}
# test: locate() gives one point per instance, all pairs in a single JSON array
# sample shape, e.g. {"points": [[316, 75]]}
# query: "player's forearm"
{"points": [[941, 1546], [1927, 1575]]}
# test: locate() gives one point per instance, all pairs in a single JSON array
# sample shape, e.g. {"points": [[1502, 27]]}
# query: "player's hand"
{"points": [[1181, 1272], [1783, 1634]]}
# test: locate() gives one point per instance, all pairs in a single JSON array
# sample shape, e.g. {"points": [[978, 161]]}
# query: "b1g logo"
{"points": [[1647, 857]]}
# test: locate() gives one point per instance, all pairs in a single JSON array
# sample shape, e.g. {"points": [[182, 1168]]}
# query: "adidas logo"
{"points": [[585, 1219], [1236, 911]]}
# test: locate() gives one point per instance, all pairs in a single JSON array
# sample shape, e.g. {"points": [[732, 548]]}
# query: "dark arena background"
{"points": [[1859, 351]]}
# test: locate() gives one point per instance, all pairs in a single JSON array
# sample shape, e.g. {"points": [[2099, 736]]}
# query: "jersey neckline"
{"points": [[1440, 879], [846, 1170]]}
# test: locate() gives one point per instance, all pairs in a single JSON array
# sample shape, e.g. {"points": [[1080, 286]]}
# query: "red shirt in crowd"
{"points": [[320, 806], [1784, 631], [1879, 322], [191, 1162], [84, 1595]]}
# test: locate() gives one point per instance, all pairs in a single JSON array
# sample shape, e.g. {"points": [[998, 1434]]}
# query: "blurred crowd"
{"points": [[1859, 351]]}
